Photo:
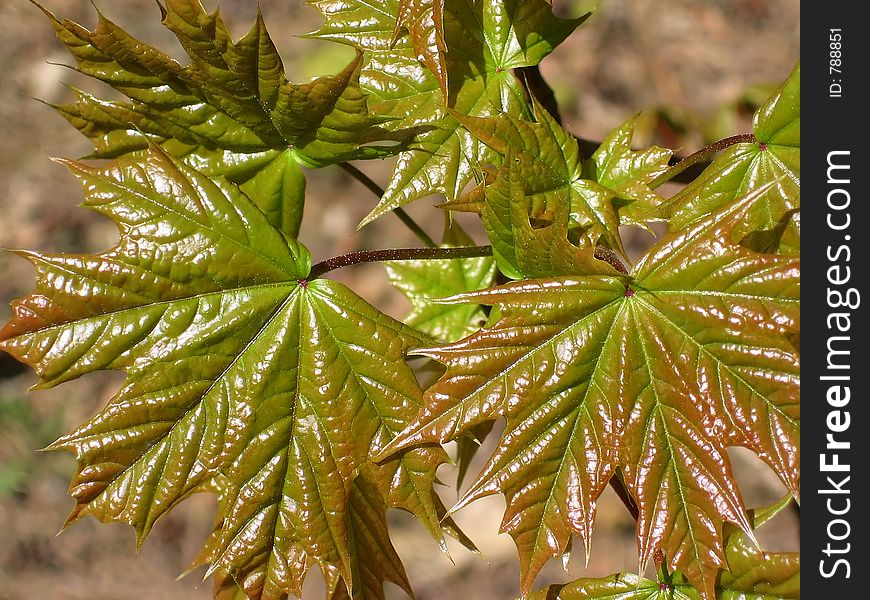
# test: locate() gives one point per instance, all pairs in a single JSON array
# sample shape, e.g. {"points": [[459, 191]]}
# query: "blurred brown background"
{"points": [[709, 62]]}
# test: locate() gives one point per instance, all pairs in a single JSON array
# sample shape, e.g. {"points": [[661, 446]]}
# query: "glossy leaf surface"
{"points": [[230, 112], [424, 22], [656, 373], [238, 367], [547, 181], [523, 250], [486, 40], [628, 172], [424, 280], [749, 574], [606, 190], [774, 223], [620, 586]]}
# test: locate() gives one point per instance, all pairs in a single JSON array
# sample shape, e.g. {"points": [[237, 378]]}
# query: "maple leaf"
{"points": [[243, 377], [523, 250], [629, 173], [749, 575], [367, 523], [654, 372], [423, 280], [774, 223], [485, 39], [230, 112], [587, 200], [611, 188]]}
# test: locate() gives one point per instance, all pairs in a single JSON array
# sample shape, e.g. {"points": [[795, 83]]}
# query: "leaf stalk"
{"points": [[365, 256], [701, 155]]}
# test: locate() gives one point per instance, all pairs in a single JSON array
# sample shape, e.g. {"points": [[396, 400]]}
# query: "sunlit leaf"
{"points": [[586, 200], [485, 41], [237, 366], [742, 168], [620, 586], [424, 280], [424, 22], [230, 112], [655, 372], [748, 574], [375, 561], [628, 172], [523, 250]]}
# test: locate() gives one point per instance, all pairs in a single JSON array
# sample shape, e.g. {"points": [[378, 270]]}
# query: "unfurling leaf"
{"points": [[772, 225], [230, 112], [522, 250], [655, 373], [240, 371], [628, 172], [543, 178], [609, 189], [485, 39]]}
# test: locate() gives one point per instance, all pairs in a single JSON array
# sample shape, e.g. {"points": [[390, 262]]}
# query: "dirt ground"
{"points": [[700, 58]]}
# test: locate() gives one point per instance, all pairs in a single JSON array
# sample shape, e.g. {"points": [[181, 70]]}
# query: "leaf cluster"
{"points": [[252, 376]]}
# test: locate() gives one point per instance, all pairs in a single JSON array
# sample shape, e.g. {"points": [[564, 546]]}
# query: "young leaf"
{"points": [[230, 112], [424, 22], [742, 168], [628, 172], [424, 280], [375, 561], [779, 576], [656, 374], [609, 189], [749, 574], [753, 575], [619, 586], [236, 365], [226, 588], [521, 250], [551, 167], [485, 40]]}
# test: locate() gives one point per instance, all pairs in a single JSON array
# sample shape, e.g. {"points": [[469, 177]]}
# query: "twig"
{"points": [[400, 212]]}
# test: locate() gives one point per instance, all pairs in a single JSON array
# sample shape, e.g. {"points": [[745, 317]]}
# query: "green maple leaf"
{"points": [[619, 586], [485, 41], [611, 188], [523, 250], [230, 112], [243, 377], [749, 575], [424, 280], [654, 373], [375, 559], [629, 173], [585, 200], [774, 223]]}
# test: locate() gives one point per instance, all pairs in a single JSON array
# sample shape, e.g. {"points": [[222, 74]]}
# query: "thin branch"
{"points": [[400, 212], [701, 155], [416, 229], [366, 256], [362, 178]]}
